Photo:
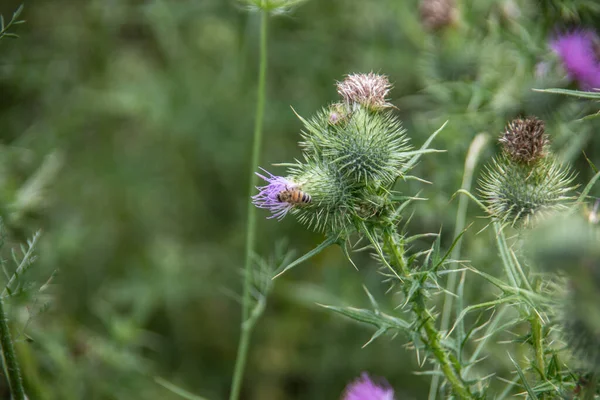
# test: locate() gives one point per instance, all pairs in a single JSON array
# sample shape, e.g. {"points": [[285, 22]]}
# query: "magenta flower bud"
{"points": [[578, 51], [364, 388]]}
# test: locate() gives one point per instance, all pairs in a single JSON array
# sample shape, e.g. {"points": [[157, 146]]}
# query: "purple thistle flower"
{"points": [[364, 388], [268, 196], [578, 52]]}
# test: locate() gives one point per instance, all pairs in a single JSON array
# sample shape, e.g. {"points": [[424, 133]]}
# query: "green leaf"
{"points": [[523, 379], [485, 305], [328, 242], [383, 322], [378, 249], [589, 117], [413, 161], [568, 92], [436, 260], [18, 12], [588, 187], [176, 389]]}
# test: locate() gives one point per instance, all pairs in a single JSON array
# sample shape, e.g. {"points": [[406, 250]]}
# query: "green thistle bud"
{"points": [[364, 147], [332, 199], [525, 181]]}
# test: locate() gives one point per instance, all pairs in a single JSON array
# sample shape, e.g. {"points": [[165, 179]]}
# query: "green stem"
{"points": [[246, 329], [10, 359], [590, 390], [475, 149], [506, 261], [538, 343], [430, 334]]}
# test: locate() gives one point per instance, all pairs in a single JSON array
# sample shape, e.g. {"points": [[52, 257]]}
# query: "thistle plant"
{"points": [[524, 188], [346, 185], [355, 157], [526, 180]]}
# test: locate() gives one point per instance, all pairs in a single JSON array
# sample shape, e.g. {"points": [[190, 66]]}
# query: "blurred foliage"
{"points": [[125, 133]]}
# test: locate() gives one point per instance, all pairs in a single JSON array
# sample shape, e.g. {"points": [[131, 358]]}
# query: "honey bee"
{"points": [[293, 196]]}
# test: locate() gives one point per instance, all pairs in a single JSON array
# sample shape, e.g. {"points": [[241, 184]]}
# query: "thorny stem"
{"points": [[247, 325], [10, 359], [430, 334]]}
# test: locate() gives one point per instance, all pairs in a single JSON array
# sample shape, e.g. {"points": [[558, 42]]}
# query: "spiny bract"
{"points": [[366, 147], [516, 193]]}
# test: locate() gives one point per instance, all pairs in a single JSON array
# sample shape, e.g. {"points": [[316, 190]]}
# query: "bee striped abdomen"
{"points": [[293, 196]]}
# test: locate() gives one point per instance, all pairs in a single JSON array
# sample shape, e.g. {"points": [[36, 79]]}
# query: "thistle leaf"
{"points": [[523, 379], [372, 317], [328, 242]]}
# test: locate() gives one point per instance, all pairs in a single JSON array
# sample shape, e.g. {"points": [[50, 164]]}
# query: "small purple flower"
{"points": [[268, 196], [578, 52], [364, 388]]}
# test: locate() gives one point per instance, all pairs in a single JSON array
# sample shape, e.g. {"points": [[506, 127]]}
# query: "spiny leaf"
{"points": [[523, 379], [328, 242], [483, 305], [373, 317], [568, 92], [413, 161], [588, 187], [378, 249]]}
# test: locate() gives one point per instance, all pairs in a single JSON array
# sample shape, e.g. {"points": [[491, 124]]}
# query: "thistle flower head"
{"points": [[517, 193], [368, 90], [436, 14], [333, 199], [525, 140], [269, 198], [366, 148], [364, 388], [353, 154], [578, 51]]}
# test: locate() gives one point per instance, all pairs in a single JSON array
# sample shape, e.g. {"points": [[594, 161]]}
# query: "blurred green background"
{"points": [[126, 128]]}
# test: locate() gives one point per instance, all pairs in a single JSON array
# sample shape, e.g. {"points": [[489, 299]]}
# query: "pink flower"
{"points": [[268, 196], [578, 51], [364, 388]]}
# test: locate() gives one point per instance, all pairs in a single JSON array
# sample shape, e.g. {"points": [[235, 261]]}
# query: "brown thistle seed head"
{"points": [[436, 14], [525, 140], [369, 90]]}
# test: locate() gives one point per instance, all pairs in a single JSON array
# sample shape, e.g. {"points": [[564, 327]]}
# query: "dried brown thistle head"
{"points": [[525, 140]]}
